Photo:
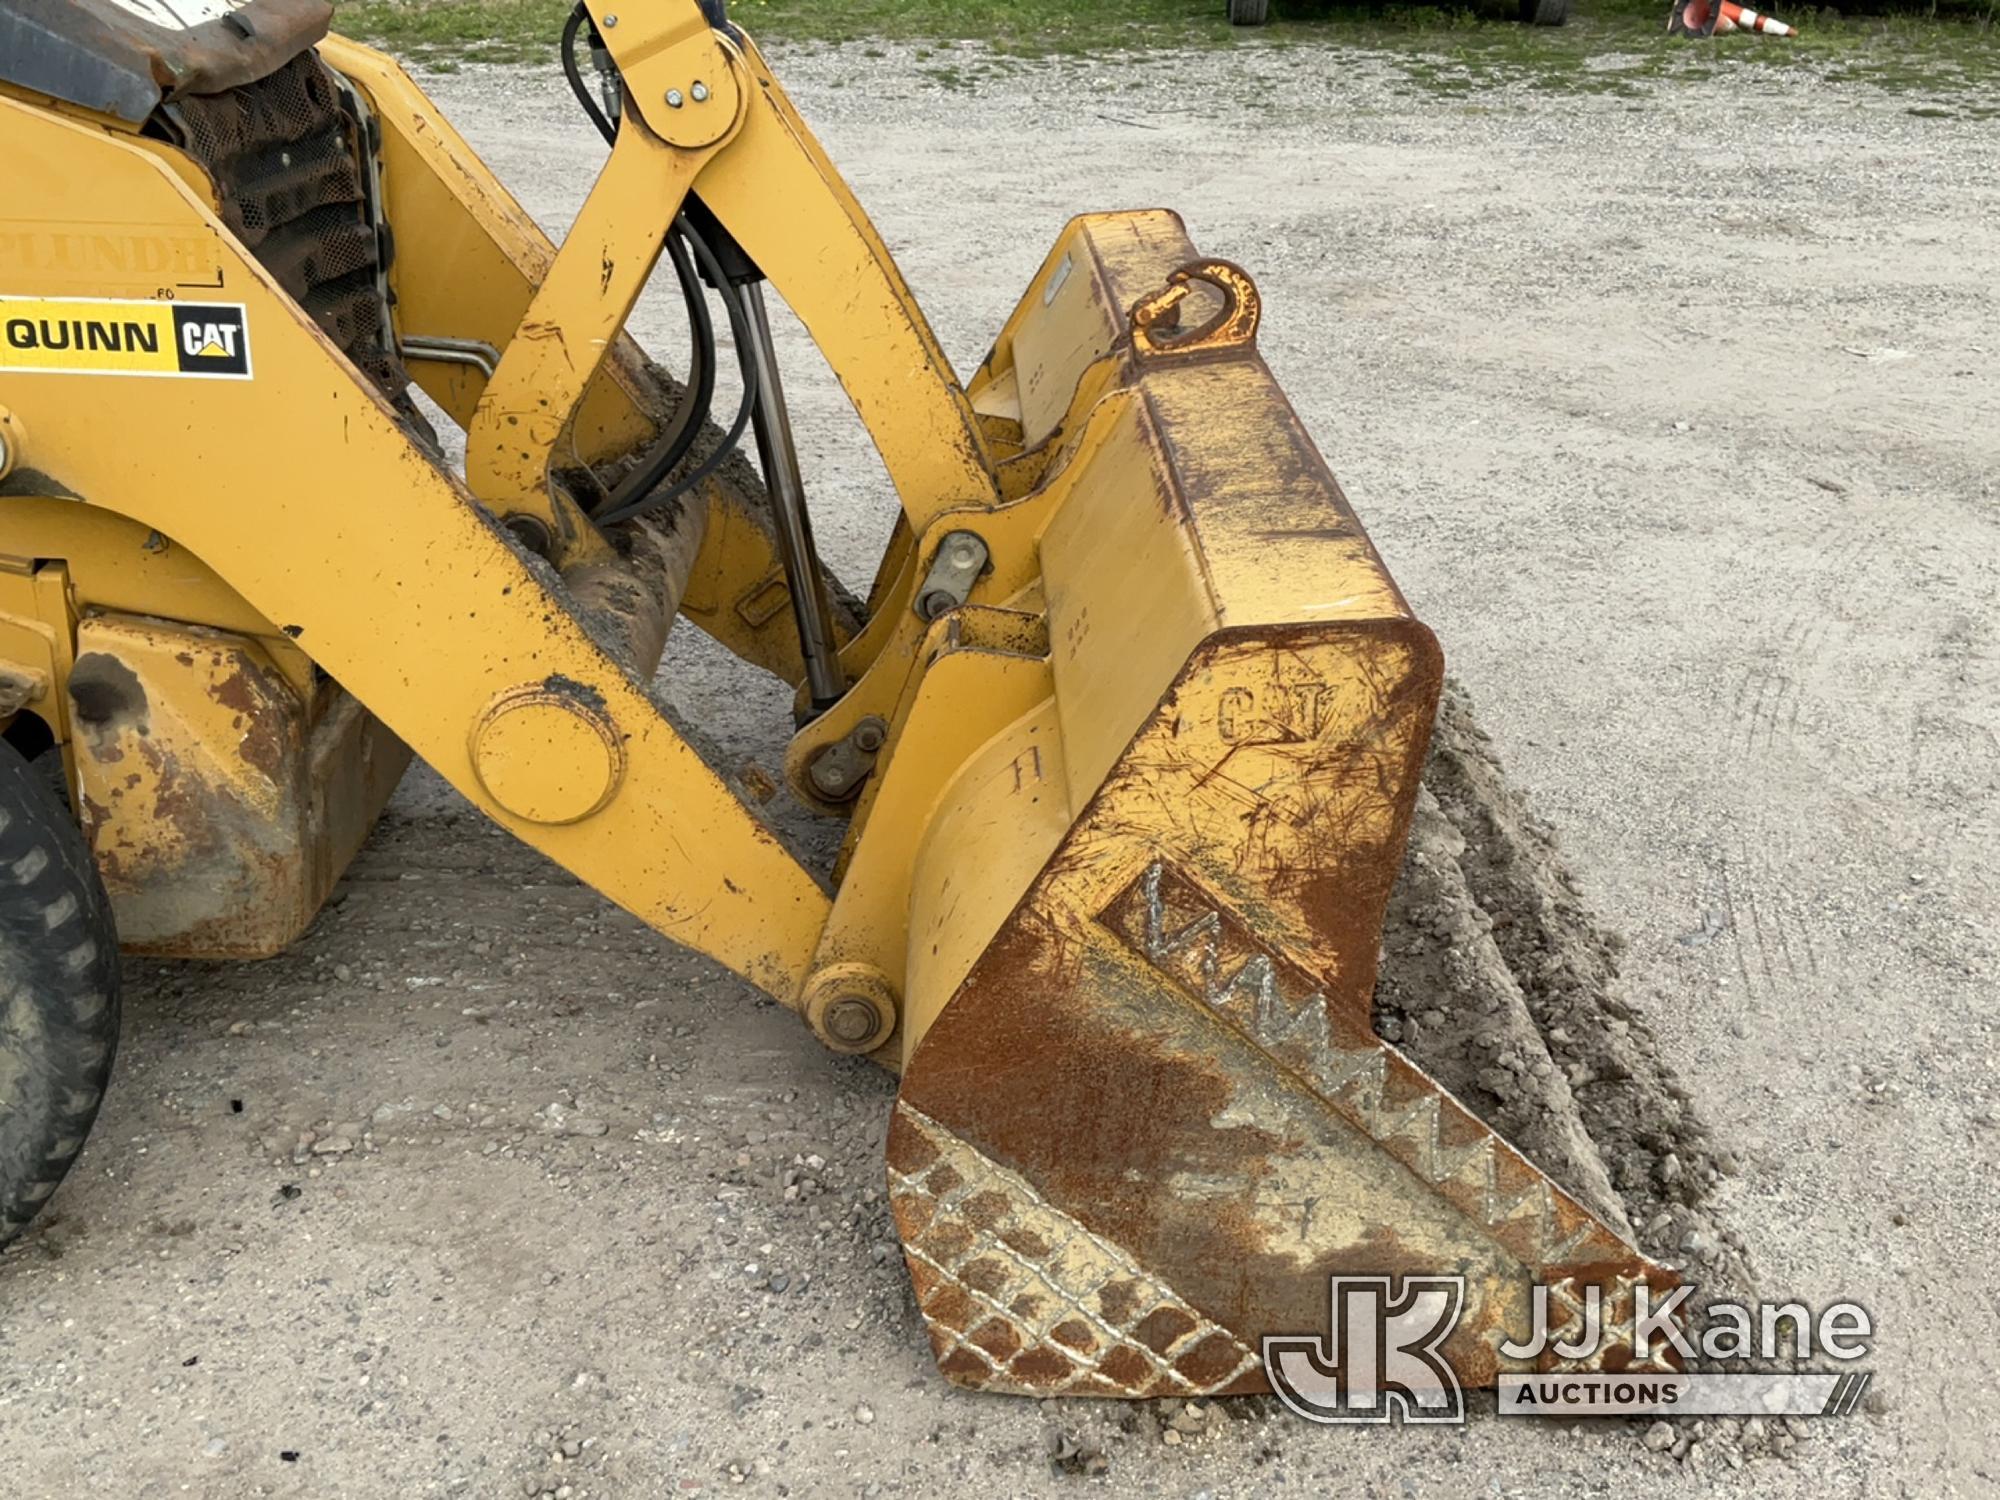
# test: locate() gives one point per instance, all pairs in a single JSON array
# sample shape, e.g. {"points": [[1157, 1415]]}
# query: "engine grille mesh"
{"points": [[283, 152]]}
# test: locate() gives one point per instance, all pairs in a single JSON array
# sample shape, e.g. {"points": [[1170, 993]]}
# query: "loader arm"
{"points": [[404, 589], [1128, 740], [762, 917], [734, 137]]}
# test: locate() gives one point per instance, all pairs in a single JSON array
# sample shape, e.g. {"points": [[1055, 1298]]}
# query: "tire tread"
{"points": [[58, 941]]}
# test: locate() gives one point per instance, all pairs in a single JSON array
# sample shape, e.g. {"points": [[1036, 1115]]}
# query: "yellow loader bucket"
{"points": [[1128, 732], [1144, 1116]]}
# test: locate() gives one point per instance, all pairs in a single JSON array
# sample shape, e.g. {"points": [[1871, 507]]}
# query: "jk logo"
{"points": [[1381, 1359]]}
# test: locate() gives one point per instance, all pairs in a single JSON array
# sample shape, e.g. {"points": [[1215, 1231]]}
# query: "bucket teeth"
{"points": [[1418, 1127], [1355, 1079], [1031, 1267], [1021, 1297]]}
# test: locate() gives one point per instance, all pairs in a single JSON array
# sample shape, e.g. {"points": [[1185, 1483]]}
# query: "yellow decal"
{"points": [[104, 336]]}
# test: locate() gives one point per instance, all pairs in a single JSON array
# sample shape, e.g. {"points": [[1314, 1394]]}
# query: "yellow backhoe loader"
{"points": [[1126, 730]]}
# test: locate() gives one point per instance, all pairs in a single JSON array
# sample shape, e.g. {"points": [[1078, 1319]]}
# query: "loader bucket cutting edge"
{"points": [[1138, 1140], [1153, 1118], [1126, 1154]]}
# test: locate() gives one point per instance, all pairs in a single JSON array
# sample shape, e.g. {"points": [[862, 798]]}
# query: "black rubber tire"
{"points": [[58, 991], [1249, 12], [1545, 12]]}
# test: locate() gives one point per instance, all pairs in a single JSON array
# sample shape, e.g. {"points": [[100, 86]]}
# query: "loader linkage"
{"points": [[1128, 732]]}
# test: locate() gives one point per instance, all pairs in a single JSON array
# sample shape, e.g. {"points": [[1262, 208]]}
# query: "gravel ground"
{"points": [[1676, 417]]}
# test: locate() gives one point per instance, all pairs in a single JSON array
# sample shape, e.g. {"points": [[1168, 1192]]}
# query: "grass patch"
{"points": [[1610, 46], [1021, 28]]}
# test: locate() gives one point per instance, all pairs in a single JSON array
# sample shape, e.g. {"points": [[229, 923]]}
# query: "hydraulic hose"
{"points": [[631, 496]]}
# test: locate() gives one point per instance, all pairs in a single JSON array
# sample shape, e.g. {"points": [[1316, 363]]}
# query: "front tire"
{"points": [[58, 991]]}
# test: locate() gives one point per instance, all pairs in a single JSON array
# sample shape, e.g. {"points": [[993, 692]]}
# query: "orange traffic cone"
{"points": [[1715, 17]]}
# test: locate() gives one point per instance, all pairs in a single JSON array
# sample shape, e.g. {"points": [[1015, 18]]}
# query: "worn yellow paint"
{"points": [[1003, 814], [1112, 895], [395, 582], [1055, 375], [577, 311], [788, 207], [221, 802], [680, 74], [547, 755], [472, 274], [37, 638], [206, 852], [115, 563], [984, 668], [476, 264], [1135, 511], [1217, 660]]}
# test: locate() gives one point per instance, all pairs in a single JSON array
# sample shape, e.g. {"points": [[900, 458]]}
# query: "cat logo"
{"points": [[213, 340], [102, 336]]}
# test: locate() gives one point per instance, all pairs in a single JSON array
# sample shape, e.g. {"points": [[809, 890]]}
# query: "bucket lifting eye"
{"points": [[1156, 318]]}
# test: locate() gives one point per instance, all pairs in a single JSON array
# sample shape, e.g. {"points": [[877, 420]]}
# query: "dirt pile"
{"points": [[1501, 984]]}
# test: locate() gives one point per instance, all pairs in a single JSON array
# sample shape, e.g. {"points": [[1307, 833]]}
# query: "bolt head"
{"points": [[869, 735], [674, 100], [609, 22], [964, 555], [829, 774], [699, 92], [936, 604], [852, 1020]]}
